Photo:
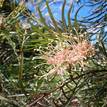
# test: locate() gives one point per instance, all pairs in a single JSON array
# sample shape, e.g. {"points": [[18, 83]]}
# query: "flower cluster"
{"points": [[76, 54]]}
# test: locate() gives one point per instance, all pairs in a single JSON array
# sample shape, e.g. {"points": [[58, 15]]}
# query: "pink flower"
{"points": [[77, 54]]}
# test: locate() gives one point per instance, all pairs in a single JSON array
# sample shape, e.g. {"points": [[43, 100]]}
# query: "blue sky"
{"points": [[56, 9]]}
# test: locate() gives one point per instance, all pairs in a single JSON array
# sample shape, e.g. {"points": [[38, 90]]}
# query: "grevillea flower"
{"points": [[77, 54]]}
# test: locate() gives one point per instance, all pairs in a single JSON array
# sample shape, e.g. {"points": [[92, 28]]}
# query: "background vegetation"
{"points": [[26, 79]]}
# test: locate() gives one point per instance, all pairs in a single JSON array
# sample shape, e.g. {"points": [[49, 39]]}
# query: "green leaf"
{"points": [[63, 18], [69, 18], [52, 18], [76, 25], [42, 19]]}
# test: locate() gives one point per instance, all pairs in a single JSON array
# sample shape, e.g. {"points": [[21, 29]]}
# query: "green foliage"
{"points": [[24, 74]]}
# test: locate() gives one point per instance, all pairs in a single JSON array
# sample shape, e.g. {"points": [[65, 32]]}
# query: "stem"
{"points": [[21, 57], [21, 64]]}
